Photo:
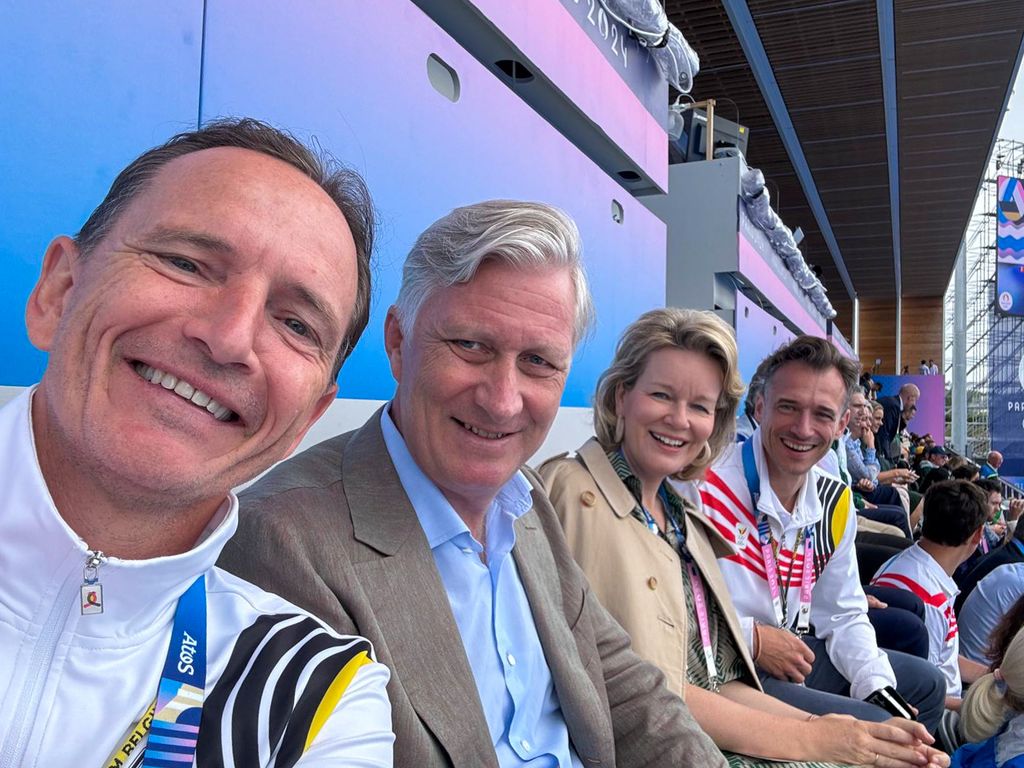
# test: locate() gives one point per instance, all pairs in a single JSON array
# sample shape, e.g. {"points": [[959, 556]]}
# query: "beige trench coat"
{"points": [[636, 576]]}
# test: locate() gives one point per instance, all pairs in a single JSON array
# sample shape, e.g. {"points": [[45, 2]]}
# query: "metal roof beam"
{"points": [[747, 34], [887, 48]]}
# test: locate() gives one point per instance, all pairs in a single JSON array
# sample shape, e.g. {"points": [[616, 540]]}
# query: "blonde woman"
{"points": [[665, 409], [992, 713]]}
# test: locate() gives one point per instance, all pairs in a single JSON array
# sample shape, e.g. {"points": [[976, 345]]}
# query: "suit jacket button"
{"points": [[588, 498], [652, 583]]}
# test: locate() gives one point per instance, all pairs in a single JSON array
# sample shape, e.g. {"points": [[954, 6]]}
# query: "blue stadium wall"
{"points": [[89, 86]]}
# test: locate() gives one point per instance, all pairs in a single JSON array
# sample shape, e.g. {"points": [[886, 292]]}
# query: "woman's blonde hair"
{"points": [[671, 327], [988, 701]]}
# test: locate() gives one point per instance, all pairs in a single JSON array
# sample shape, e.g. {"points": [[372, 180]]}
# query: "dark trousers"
{"points": [[826, 691], [888, 514], [900, 627]]}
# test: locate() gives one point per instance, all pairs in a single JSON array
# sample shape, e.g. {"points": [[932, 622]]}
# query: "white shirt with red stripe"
{"points": [[916, 571], [838, 606]]}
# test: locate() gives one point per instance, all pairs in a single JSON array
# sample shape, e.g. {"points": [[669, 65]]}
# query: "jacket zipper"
{"points": [[41, 661]]}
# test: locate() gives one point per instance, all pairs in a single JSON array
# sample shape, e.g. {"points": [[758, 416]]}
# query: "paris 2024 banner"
{"points": [[1006, 405]]}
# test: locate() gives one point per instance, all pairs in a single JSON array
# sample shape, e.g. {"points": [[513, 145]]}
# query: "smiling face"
{"points": [[669, 413], [192, 348], [860, 413], [801, 412], [877, 417], [480, 376]]}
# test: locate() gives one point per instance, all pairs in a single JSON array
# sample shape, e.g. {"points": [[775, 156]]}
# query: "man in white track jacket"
{"points": [[195, 327], [811, 639]]}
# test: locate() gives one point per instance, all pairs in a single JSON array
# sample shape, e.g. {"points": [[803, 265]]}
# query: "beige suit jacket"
{"points": [[636, 576], [333, 531]]}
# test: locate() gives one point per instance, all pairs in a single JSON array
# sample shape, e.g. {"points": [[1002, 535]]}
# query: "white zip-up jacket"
{"points": [[838, 606], [72, 686]]}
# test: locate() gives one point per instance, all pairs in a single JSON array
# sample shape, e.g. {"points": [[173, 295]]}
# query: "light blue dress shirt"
{"points": [[985, 607], [493, 615]]}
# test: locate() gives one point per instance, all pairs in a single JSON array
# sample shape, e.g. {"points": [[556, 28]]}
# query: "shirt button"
{"points": [[588, 498], [652, 583], [511, 660], [525, 745]]}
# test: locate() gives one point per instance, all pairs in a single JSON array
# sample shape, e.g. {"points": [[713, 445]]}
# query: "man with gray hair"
{"points": [[425, 530]]}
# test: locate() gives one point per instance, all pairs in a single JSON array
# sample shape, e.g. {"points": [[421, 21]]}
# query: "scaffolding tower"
{"points": [[972, 328]]}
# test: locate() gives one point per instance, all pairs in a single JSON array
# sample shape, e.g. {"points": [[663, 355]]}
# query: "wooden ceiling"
{"points": [[954, 63]]}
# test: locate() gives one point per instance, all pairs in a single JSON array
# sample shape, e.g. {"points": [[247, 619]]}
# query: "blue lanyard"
{"points": [[750, 472], [652, 526], [780, 599], [179, 700]]}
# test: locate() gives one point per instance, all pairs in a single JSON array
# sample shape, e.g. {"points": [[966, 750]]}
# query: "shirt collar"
{"points": [[437, 517], [927, 561], [807, 508]]}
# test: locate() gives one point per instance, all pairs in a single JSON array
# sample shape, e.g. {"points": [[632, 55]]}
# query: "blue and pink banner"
{"points": [[1010, 246], [1006, 405]]}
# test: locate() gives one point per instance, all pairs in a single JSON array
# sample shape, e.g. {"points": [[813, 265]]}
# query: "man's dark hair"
{"points": [[989, 485], [816, 353], [343, 185], [965, 471], [953, 511], [933, 476]]}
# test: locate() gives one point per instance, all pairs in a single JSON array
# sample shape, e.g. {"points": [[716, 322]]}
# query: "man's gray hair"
{"points": [[522, 234]]}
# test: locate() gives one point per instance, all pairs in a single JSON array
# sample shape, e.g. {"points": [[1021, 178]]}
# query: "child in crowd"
{"points": [[955, 512], [993, 710]]}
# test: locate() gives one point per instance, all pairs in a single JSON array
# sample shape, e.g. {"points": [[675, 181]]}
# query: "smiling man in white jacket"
{"points": [[794, 578], [195, 327]]}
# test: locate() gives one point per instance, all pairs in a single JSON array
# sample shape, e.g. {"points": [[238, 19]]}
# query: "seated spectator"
{"points": [[989, 602], [992, 464], [664, 409], [885, 504], [954, 513], [239, 259], [992, 716], [1011, 552], [995, 526], [934, 457], [966, 471], [933, 476], [769, 497], [996, 531]]}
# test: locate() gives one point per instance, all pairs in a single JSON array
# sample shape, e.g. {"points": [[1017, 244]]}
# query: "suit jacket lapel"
{"points": [[410, 604]]}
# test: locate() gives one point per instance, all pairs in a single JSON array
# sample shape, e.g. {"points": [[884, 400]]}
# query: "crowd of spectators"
{"points": [[953, 543]]}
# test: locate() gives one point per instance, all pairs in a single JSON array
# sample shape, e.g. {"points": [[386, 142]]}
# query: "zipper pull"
{"points": [[92, 590]]}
